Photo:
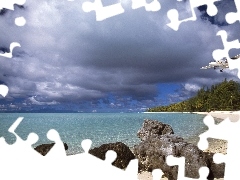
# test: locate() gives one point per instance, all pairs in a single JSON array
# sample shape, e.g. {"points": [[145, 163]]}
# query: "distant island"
{"points": [[224, 96]]}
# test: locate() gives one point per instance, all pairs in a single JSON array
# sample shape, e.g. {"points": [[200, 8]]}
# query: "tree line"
{"points": [[224, 96]]}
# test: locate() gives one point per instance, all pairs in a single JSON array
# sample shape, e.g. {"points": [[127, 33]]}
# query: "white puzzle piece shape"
{"points": [[3, 90], [173, 14], [221, 53], [180, 162], [229, 131], [224, 53], [9, 4], [153, 6], [12, 46], [26, 162], [232, 17], [102, 12]]}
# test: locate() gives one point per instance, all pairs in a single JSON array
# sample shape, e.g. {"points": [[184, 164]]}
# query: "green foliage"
{"points": [[224, 96]]}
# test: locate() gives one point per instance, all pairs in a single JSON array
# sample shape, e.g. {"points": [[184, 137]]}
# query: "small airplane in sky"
{"points": [[222, 64]]}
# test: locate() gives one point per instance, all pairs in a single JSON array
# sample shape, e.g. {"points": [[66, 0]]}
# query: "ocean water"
{"points": [[99, 127]]}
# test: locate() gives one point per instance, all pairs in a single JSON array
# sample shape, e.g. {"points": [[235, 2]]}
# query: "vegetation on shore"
{"points": [[224, 96]]}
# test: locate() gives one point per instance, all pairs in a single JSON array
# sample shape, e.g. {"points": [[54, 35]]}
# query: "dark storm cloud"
{"points": [[66, 56], [224, 7]]}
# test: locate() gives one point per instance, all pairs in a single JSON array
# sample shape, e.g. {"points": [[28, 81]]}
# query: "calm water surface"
{"points": [[99, 127]]}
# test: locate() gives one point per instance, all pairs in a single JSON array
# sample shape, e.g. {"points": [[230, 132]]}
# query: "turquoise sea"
{"points": [[99, 127]]}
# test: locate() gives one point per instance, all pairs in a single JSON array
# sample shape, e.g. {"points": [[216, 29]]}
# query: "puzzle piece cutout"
{"points": [[157, 174], [234, 64], [222, 53], [180, 162], [232, 17], [173, 14], [153, 6], [12, 46], [102, 12], [24, 161], [3, 90], [19, 156], [229, 131], [58, 149], [9, 4], [102, 169], [88, 163], [19, 21]]}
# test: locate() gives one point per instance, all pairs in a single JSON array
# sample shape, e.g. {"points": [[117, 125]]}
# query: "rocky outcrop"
{"points": [[216, 170], [124, 154], [152, 154], [43, 149], [157, 144], [153, 127]]}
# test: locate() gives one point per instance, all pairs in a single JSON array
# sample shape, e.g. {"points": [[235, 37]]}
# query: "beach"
{"points": [[215, 145], [221, 115], [99, 127]]}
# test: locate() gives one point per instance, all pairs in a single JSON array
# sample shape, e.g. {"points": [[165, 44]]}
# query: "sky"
{"points": [[68, 61]]}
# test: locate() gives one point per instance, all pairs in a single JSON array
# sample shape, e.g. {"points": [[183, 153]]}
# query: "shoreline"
{"points": [[222, 115], [215, 145], [218, 145]]}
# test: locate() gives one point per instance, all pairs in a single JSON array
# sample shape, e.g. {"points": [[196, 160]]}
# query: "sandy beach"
{"points": [[215, 146], [221, 115]]}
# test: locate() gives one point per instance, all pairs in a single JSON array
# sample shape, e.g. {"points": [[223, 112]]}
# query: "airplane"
{"points": [[222, 64]]}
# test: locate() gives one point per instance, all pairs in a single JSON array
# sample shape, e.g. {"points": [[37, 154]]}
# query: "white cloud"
{"points": [[192, 87], [35, 102]]}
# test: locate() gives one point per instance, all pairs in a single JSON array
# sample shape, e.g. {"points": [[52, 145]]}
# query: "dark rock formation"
{"points": [[43, 149], [124, 154], [153, 127], [157, 144], [216, 170], [152, 154]]}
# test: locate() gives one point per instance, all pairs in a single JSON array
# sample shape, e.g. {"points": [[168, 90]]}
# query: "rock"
{"points": [[152, 154], [216, 170], [124, 154], [153, 127], [43, 149], [158, 142]]}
